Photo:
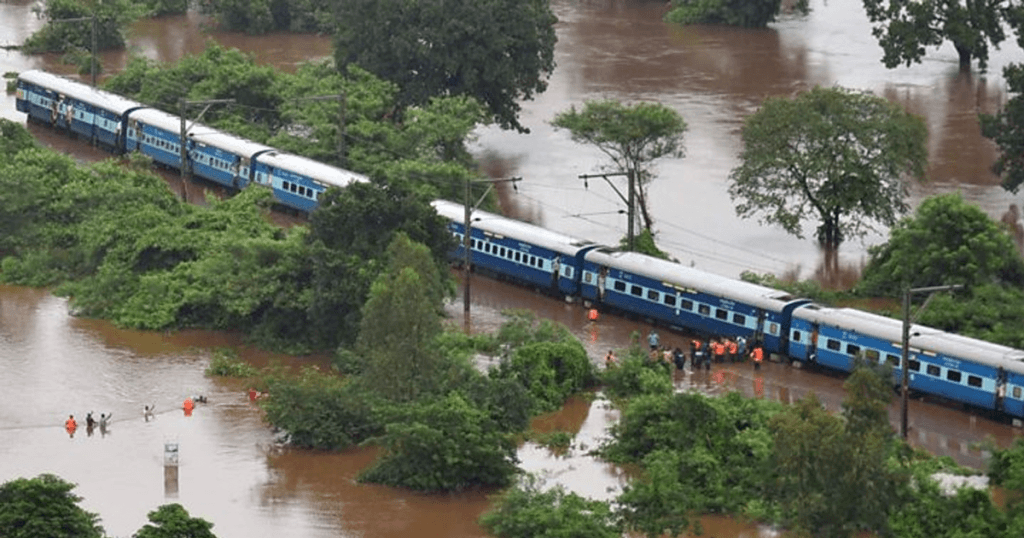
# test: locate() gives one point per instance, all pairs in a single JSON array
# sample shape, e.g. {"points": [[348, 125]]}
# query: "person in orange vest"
{"points": [[695, 353], [188, 406], [757, 355], [70, 425], [731, 348], [719, 351]]}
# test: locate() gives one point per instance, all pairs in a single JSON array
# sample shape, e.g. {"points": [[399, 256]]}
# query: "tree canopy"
{"points": [[632, 136], [173, 521], [60, 35], [904, 29], [743, 13], [946, 241], [1006, 129], [497, 51], [262, 16], [44, 507], [832, 154]]}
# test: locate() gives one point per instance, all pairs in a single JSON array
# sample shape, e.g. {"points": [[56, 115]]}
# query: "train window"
{"points": [[686, 304], [504, 252], [620, 285], [739, 319], [834, 345], [974, 381], [636, 290], [953, 376], [892, 359], [670, 299], [517, 256], [586, 277], [852, 350], [704, 310], [721, 314], [915, 365], [567, 271], [652, 295], [872, 355], [473, 244], [796, 336], [1016, 392], [934, 370]]}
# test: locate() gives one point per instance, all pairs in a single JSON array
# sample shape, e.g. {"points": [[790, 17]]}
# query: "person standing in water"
{"points": [[70, 425]]}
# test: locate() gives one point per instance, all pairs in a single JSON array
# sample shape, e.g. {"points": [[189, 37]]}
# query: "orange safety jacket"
{"points": [[733, 347], [719, 348], [758, 354]]}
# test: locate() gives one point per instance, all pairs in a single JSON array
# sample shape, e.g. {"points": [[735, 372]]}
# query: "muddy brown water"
{"points": [[231, 474]]}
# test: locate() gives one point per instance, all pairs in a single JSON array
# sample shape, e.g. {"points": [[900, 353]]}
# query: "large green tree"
{"points": [[832, 154], [632, 136], [44, 507], [744, 13], [262, 16], [904, 29], [66, 31], [947, 241], [173, 521], [497, 51], [1006, 128]]}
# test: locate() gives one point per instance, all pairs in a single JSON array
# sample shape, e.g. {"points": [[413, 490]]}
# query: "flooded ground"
{"points": [[54, 364]]}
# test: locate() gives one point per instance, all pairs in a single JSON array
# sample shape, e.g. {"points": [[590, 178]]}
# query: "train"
{"points": [[121, 125], [960, 369]]}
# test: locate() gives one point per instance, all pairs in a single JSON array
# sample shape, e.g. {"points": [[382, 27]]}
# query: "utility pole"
{"points": [[467, 228], [630, 201], [92, 56], [905, 361], [183, 104]]}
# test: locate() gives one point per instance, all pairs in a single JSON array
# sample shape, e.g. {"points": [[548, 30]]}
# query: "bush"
{"points": [[225, 363], [443, 445], [527, 512], [550, 371]]}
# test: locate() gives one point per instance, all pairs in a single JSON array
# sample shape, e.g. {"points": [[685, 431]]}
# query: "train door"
{"points": [[1000, 389], [812, 346], [556, 270], [602, 279], [759, 332]]}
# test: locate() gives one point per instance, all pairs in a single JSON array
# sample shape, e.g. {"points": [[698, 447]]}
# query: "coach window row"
{"points": [[507, 253], [160, 143], [299, 190], [670, 300], [216, 163]]}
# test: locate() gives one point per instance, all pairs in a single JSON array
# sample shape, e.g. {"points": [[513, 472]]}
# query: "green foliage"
{"points": [[831, 477], [499, 52], [173, 521], [165, 7], [112, 18], [988, 312], [632, 136], [926, 512], [905, 29], [1006, 129], [550, 371], [635, 375], [556, 441], [44, 507], [526, 511], [443, 445], [1006, 469], [225, 363], [947, 241], [643, 242], [262, 16], [401, 319], [320, 410], [832, 154], [743, 13]]}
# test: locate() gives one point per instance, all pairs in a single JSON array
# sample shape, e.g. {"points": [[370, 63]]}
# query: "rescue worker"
{"points": [[741, 348], [653, 340], [89, 421], [70, 425], [679, 358], [757, 355], [719, 348], [732, 349]]}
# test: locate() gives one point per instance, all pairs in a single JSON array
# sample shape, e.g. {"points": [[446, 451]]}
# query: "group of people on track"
{"points": [[702, 352]]}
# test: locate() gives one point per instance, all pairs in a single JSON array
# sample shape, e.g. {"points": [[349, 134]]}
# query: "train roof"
{"points": [[323, 173], [161, 120], [678, 275], [922, 337], [515, 229], [228, 142], [79, 91]]}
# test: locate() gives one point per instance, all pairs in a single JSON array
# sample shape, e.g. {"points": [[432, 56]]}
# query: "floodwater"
{"points": [[229, 471]]}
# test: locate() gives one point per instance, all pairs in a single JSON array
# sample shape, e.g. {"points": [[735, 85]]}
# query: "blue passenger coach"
{"points": [[156, 134], [955, 367], [223, 158], [299, 181], [684, 297], [95, 115], [519, 250]]}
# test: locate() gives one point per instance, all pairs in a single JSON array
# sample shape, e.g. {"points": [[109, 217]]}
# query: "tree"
{"points": [[526, 511], [444, 445], [44, 507], [745, 13], [831, 153], [1006, 129], [498, 51], [173, 521], [904, 29], [632, 136], [112, 18], [262, 16], [401, 318], [947, 241]]}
